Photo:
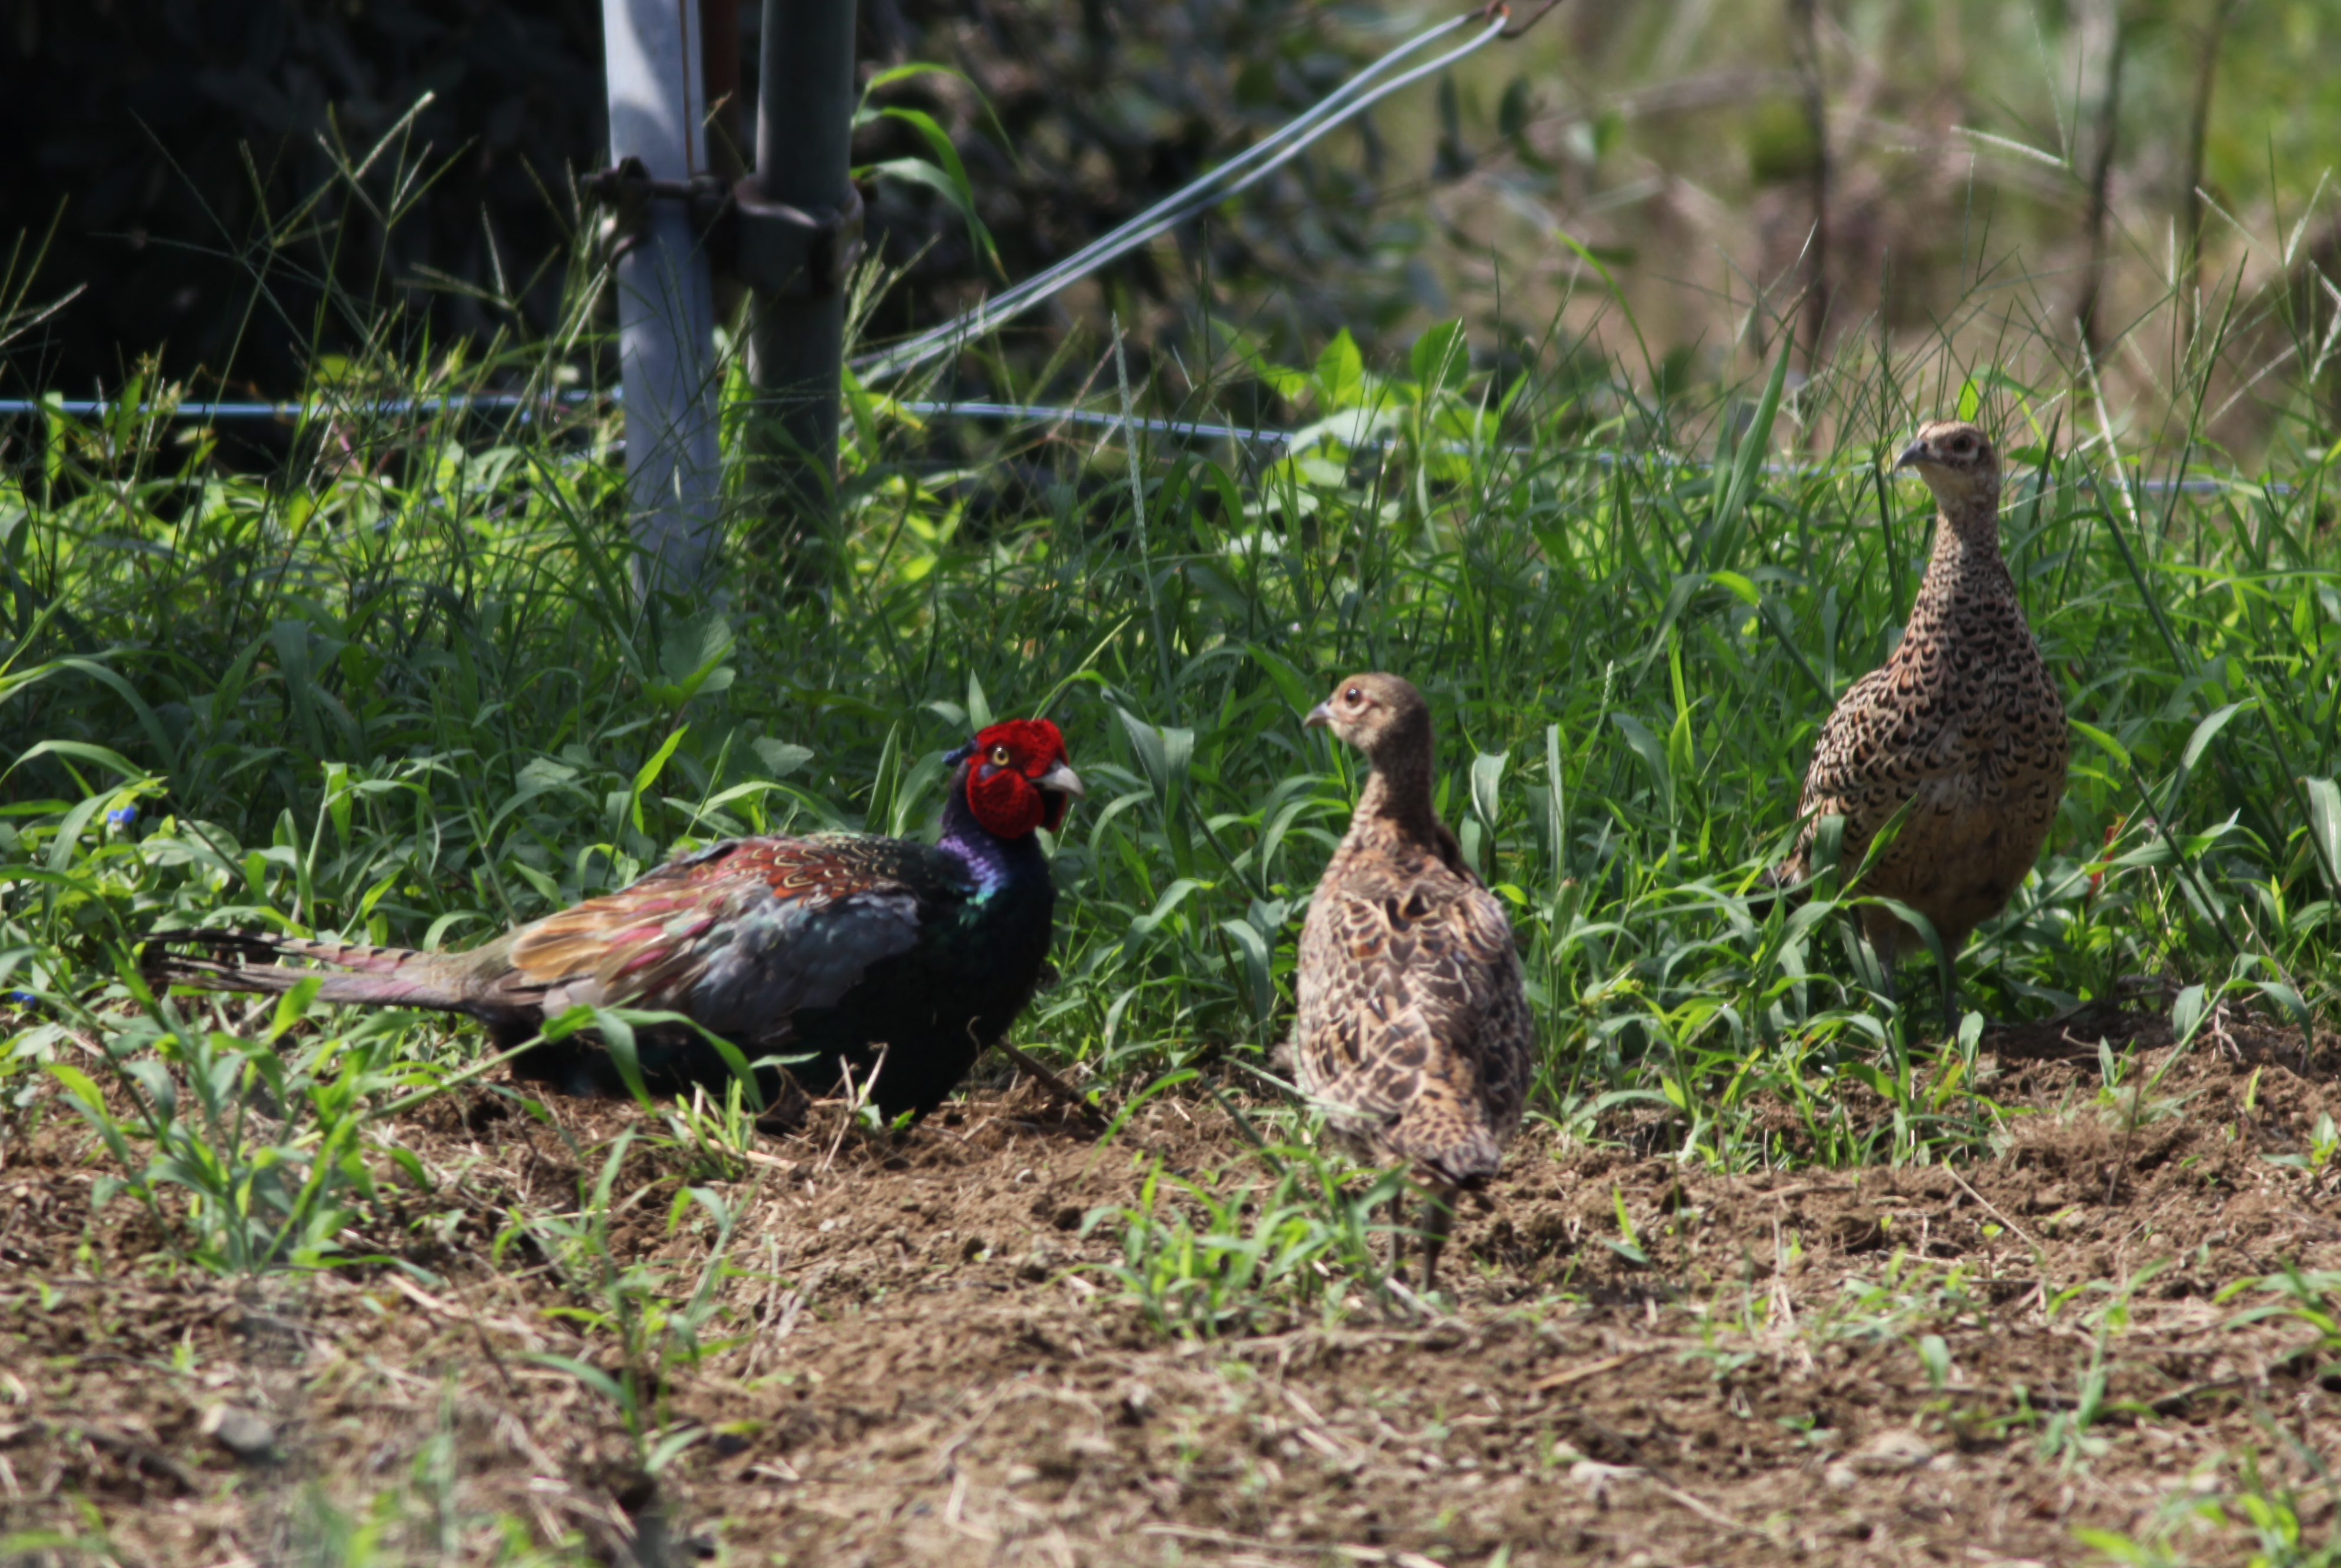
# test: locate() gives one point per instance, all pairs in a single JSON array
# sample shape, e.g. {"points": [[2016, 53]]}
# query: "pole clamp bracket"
{"points": [[777, 250], [627, 190], [787, 253]]}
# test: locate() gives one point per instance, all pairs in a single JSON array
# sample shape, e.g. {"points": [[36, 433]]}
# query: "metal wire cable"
{"points": [[1203, 429], [452, 403], [998, 412], [1350, 100]]}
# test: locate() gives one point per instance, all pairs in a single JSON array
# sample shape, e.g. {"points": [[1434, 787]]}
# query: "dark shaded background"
{"points": [[187, 153], [166, 139]]}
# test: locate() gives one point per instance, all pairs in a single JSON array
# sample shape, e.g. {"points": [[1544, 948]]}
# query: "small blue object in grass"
{"points": [[22, 999], [122, 817]]}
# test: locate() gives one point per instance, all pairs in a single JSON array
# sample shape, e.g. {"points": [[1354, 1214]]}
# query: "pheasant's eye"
{"points": [[1001, 757], [1353, 696]]}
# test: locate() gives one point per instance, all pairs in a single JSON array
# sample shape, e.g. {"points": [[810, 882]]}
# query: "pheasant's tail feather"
{"points": [[1454, 1144], [1467, 1163], [366, 976], [261, 945]]}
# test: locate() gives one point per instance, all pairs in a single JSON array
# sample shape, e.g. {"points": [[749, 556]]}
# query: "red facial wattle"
{"points": [[1004, 765], [1003, 799]]}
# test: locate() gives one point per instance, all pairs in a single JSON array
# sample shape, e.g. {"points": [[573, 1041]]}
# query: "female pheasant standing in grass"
{"points": [[1962, 725], [897, 959], [1413, 1030]]}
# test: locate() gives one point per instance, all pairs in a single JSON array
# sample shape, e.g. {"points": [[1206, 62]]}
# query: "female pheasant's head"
{"points": [[1016, 777], [1382, 716], [1955, 460]]}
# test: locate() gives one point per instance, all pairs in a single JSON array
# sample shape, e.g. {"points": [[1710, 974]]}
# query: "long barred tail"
{"points": [[358, 976]]}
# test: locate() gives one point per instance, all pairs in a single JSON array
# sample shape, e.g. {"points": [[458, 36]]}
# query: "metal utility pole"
{"points": [[800, 231], [666, 325]]}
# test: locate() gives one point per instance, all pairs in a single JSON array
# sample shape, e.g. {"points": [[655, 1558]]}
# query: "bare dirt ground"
{"points": [[908, 1361]]}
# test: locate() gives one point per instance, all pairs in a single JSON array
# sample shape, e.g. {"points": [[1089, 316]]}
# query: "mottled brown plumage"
{"points": [[1413, 1030], [1962, 722]]}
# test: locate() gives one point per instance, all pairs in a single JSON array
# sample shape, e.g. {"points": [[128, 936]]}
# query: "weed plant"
{"points": [[2278, 1525], [1205, 1257], [627, 1303], [397, 688], [262, 1137]]}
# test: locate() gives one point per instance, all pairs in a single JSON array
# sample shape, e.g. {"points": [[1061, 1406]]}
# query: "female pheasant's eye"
{"points": [[999, 757], [1353, 696]]}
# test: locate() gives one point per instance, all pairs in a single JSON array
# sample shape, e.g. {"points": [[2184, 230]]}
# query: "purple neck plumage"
{"points": [[995, 862]]}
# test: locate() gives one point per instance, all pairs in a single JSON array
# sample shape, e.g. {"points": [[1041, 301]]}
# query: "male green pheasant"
{"points": [[897, 959], [1962, 724], [1413, 1031]]}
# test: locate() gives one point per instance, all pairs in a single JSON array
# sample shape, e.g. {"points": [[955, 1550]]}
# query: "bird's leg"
{"points": [[1878, 959], [1438, 1219], [1950, 971], [1898, 1020]]}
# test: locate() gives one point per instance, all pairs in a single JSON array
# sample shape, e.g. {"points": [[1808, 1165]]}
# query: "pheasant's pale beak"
{"points": [[1062, 780], [1917, 452], [1319, 718]]}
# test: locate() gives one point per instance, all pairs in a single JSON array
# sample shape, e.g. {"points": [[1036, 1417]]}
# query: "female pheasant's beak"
{"points": [[1319, 718], [1917, 452]]}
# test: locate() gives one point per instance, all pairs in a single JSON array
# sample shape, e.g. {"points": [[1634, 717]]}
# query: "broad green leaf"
{"points": [[779, 758], [2324, 825], [1486, 781], [2187, 1012], [1290, 684], [647, 774], [2204, 733], [1340, 374], [1441, 358], [1747, 456], [1653, 755], [2103, 741]]}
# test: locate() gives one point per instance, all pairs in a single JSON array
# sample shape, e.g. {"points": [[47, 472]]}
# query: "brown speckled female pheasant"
{"points": [[1963, 723], [1413, 1031]]}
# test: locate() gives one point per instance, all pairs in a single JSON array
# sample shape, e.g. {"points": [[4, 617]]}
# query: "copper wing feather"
{"points": [[740, 935]]}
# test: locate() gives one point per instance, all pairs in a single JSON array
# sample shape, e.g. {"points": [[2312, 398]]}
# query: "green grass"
{"points": [[1249, 1256], [2251, 1515], [398, 688]]}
